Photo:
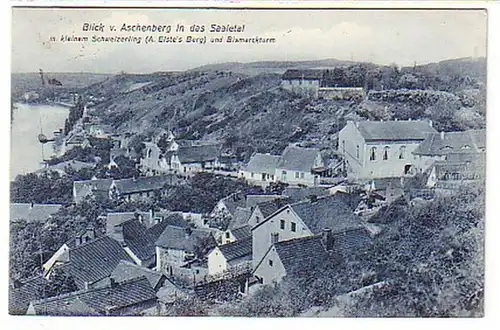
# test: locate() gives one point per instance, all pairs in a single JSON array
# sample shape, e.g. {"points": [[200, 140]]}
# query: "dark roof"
{"points": [[93, 185], [452, 142], [32, 212], [395, 130], [269, 207], [240, 217], [233, 201], [135, 236], [27, 291], [198, 153], [177, 238], [351, 200], [301, 253], [241, 232], [237, 249], [98, 301], [93, 261], [262, 163], [296, 158], [297, 194], [326, 212], [350, 240], [306, 74], [127, 270], [144, 183], [253, 200], [174, 219]]}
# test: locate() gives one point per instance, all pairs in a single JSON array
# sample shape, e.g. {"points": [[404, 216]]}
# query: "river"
{"points": [[26, 151]]}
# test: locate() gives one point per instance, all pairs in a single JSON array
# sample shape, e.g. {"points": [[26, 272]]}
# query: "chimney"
{"points": [[313, 198], [90, 232], [442, 135], [86, 285], [327, 238], [430, 123], [112, 283], [78, 240], [188, 231]]}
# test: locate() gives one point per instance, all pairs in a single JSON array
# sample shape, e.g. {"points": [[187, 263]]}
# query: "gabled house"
{"points": [[261, 168], [31, 212], [176, 246], [263, 210], [381, 149], [154, 161], [291, 258], [126, 271], [236, 234], [235, 258], [132, 297], [195, 158], [299, 165], [225, 211], [307, 218], [90, 264], [144, 186], [82, 190], [302, 81]]}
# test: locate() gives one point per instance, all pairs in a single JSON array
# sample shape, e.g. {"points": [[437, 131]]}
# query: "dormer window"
{"points": [[386, 153], [373, 151]]}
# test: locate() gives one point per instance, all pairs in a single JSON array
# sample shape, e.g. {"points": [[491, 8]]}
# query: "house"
{"points": [[263, 210], [452, 174], [299, 165], [261, 168], [176, 246], [154, 161], [455, 147], [297, 194], [235, 258], [236, 234], [21, 293], [61, 256], [126, 271], [341, 93], [132, 297], [144, 186], [195, 158], [306, 218], [252, 200], [291, 258], [304, 81], [95, 188], [225, 211], [381, 149], [90, 264], [31, 212]]}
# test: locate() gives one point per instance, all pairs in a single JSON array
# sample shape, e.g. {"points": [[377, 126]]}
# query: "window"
{"points": [[270, 263], [227, 234], [257, 219], [282, 224], [297, 175], [150, 151], [343, 146], [357, 151], [386, 153], [402, 150], [294, 227], [373, 150], [301, 175], [251, 175], [275, 238]]}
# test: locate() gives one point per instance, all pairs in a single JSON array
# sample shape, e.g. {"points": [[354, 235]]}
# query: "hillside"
{"points": [[251, 113]]}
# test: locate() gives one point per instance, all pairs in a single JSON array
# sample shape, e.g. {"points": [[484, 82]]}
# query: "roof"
{"points": [[300, 253], [93, 261], [269, 207], [176, 238], [327, 212], [175, 219], [237, 249], [452, 142], [307, 74], [127, 270], [252, 200], [136, 238], [242, 232], [233, 201], [351, 200], [300, 193], [240, 217], [296, 158], [198, 153], [98, 301], [74, 164], [28, 290], [32, 212], [400, 130], [263, 163], [115, 218], [144, 183], [96, 184]]}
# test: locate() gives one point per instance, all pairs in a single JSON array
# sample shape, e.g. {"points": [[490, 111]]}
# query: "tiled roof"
{"points": [[301, 253], [237, 249], [306, 74], [351, 200], [350, 240], [93, 185], [253, 200], [145, 183], [233, 201], [93, 261], [326, 212], [296, 158], [100, 301], [198, 154], [297, 194], [452, 142], [263, 163], [269, 207], [395, 130], [127, 270], [177, 238], [115, 218], [32, 212], [242, 232], [174, 219], [29, 290], [240, 217], [136, 238]]}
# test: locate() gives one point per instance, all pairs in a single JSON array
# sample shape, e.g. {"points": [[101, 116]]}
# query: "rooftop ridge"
{"points": [[92, 241]]}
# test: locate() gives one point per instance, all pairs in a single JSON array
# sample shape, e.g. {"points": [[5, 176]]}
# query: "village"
{"points": [[306, 207]]}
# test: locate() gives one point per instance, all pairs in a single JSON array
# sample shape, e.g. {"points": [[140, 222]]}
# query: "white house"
{"points": [[261, 168], [233, 257], [303, 82], [299, 165], [381, 149]]}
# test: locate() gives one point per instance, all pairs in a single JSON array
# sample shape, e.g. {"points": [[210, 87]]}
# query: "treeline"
{"points": [[75, 113]]}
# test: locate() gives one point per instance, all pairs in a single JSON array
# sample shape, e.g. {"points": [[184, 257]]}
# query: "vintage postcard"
{"points": [[247, 162]]}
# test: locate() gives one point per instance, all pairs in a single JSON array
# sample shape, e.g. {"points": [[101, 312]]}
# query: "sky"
{"points": [[402, 37]]}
